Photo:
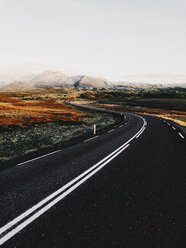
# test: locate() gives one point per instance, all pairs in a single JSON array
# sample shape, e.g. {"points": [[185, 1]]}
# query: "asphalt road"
{"points": [[124, 188]]}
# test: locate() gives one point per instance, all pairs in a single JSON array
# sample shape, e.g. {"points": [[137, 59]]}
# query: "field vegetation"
{"points": [[40, 119], [169, 103], [36, 121], [19, 112]]}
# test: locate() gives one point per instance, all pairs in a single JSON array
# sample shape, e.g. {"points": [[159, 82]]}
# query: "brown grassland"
{"points": [[15, 111], [41, 119], [166, 104], [19, 108], [177, 116], [37, 121]]}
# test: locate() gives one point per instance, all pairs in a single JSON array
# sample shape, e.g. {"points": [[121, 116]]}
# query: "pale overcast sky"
{"points": [[109, 38]]}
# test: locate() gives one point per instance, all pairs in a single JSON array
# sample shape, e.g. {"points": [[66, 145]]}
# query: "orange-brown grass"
{"points": [[47, 94], [15, 111], [175, 115]]}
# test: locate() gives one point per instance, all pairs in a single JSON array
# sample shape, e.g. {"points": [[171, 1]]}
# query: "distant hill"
{"points": [[131, 86], [50, 79], [88, 81], [8, 78], [19, 86], [163, 78]]}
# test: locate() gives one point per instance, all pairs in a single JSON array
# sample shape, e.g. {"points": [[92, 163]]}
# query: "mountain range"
{"points": [[51, 79]]}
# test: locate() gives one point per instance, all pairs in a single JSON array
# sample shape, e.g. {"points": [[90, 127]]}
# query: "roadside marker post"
{"points": [[124, 117], [94, 129]]}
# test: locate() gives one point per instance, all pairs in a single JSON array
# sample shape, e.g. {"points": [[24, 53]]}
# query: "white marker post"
{"points": [[94, 129]]}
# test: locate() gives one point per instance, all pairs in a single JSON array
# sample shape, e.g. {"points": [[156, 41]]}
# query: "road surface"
{"points": [[124, 188]]}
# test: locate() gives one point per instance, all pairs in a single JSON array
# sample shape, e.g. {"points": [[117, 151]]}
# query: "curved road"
{"points": [[124, 188]]}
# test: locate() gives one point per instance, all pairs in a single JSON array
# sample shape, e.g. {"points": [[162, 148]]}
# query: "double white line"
{"points": [[139, 133], [142, 129], [20, 222]]}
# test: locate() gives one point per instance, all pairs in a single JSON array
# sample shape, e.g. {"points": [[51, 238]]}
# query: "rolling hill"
{"points": [[50, 79], [53, 79]]}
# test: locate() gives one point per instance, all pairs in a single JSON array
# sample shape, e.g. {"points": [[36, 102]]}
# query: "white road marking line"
{"points": [[140, 133], [181, 135], [168, 123], [38, 157], [110, 130], [140, 130], [56, 200], [174, 128], [91, 138], [40, 204]]}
